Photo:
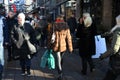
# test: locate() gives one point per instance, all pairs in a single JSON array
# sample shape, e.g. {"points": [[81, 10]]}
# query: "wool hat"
{"points": [[59, 20]]}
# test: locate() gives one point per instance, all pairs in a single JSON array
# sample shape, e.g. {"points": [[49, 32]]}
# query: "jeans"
{"points": [[25, 64], [85, 60]]}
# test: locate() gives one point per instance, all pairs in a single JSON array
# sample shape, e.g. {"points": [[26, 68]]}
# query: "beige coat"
{"points": [[63, 40]]}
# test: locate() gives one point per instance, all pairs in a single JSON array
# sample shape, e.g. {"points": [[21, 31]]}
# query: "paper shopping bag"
{"points": [[101, 47]]}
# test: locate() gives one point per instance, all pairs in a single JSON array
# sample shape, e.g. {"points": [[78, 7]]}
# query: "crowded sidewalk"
{"points": [[71, 69]]}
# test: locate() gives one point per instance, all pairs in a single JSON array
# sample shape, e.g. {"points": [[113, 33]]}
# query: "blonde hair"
{"points": [[87, 19], [22, 16]]}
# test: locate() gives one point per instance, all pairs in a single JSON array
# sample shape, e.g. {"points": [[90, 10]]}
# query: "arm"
{"points": [[69, 40]]}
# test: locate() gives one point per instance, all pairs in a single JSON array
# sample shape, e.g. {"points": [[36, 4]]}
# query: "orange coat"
{"points": [[63, 40]]}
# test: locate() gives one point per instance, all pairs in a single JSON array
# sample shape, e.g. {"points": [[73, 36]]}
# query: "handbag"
{"points": [[31, 47], [100, 44], [75, 43]]}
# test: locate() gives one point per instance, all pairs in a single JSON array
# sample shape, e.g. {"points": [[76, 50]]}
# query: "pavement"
{"points": [[71, 69]]}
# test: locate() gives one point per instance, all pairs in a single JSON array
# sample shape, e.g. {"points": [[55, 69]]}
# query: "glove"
{"points": [[101, 57], [70, 52]]}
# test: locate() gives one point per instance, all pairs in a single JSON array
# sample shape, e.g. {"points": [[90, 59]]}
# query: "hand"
{"points": [[101, 57], [70, 52]]}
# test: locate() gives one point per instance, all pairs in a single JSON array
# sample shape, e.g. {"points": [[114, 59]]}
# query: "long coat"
{"points": [[22, 50], [86, 39], [63, 38]]}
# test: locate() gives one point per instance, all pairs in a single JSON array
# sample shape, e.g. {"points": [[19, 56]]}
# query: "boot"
{"points": [[23, 71], [28, 71], [60, 76]]}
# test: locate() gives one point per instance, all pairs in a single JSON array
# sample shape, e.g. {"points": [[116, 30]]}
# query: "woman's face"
{"points": [[81, 20], [19, 20]]}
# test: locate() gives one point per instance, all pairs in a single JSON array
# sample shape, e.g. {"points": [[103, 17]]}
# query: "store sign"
{"points": [[1, 1]]}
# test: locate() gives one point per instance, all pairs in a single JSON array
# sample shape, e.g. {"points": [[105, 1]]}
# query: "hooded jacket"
{"points": [[63, 39]]}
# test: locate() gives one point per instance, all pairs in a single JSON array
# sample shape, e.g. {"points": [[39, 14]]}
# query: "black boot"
{"points": [[23, 71], [28, 71], [60, 75]]}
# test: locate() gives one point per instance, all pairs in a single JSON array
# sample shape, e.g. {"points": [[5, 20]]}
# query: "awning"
{"points": [[62, 2], [59, 4]]}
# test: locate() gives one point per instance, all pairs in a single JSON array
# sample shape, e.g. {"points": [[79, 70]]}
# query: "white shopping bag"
{"points": [[100, 46]]}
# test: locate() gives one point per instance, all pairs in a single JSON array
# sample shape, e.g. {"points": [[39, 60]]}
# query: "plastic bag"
{"points": [[44, 59], [47, 60], [51, 61]]}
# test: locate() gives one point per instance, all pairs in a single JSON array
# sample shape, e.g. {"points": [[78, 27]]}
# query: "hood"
{"points": [[61, 26]]}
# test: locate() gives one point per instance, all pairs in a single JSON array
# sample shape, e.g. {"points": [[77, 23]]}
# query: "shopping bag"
{"points": [[75, 43], [100, 44], [51, 60], [31, 47], [44, 59]]}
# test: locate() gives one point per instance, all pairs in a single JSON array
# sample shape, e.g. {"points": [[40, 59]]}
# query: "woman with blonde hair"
{"points": [[86, 32]]}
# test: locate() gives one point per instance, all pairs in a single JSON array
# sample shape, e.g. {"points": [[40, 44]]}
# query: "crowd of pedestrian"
{"points": [[16, 29]]}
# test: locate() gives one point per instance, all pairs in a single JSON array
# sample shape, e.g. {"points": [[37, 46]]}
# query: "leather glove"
{"points": [[101, 57]]}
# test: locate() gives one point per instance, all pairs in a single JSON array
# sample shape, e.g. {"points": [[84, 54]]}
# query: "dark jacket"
{"points": [[22, 50], [8, 27], [86, 39], [72, 23]]}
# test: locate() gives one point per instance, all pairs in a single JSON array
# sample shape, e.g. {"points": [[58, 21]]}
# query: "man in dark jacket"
{"points": [[10, 21], [72, 23]]}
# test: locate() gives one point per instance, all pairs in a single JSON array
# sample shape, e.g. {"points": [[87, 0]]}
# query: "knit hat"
{"points": [[59, 20]]}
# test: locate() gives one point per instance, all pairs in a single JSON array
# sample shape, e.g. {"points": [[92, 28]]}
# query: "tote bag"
{"points": [[100, 44]]}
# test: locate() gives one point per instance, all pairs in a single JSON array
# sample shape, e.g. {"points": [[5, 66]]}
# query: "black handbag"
{"points": [[75, 43]]}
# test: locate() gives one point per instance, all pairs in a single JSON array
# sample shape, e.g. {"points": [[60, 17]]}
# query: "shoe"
{"points": [[92, 69], [60, 77], [23, 74], [83, 72], [28, 74]]}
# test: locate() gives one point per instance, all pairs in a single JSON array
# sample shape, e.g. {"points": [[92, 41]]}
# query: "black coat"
{"points": [[87, 40], [23, 51]]}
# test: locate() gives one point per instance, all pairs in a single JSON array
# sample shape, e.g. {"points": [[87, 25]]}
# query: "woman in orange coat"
{"points": [[63, 40]]}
